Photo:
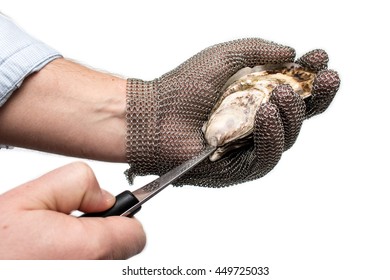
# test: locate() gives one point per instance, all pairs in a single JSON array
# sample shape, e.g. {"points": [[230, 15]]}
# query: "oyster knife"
{"points": [[128, 203]]}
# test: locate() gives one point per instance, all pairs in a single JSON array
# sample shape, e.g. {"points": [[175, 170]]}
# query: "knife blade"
{"points": [[128, 203]]}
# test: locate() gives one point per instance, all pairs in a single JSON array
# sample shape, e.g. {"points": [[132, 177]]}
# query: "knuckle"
{"points": [[85, 173], [316, 60]]}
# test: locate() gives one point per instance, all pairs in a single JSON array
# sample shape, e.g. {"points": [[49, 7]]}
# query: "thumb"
{"points": [[65, 189]]}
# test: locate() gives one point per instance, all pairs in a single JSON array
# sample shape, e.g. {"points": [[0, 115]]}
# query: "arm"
{"points": [[57, 105], [66, 108], [60, 106]]}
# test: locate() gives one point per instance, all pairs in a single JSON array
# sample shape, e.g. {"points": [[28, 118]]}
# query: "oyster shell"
{"points": [[231, 121]]}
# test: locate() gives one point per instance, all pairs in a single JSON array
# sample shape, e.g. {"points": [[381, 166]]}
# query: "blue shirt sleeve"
{"points": [[20, 55]]}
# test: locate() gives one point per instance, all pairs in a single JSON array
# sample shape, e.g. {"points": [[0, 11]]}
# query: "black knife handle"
{"points": [[124, 201]]}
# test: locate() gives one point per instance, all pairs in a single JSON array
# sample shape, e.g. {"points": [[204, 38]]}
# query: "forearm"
{"points": [[68, 109]]}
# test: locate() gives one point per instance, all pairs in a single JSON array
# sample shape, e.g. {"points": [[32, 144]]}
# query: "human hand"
{"points": [[165, 116], [35, 221]]}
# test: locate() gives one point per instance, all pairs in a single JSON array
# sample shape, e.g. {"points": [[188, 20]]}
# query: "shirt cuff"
{"points": [[20, 55]]}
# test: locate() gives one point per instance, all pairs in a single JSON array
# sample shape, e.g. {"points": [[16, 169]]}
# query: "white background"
{"points": [[322, 213]]}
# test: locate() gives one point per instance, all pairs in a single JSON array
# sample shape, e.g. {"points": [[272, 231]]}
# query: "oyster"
{"points": [[231, 121]]}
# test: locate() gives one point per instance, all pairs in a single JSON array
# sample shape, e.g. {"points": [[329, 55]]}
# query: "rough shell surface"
{"points": [[230, 124]]}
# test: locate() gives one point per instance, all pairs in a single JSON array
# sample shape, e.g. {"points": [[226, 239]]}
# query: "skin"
{"points": [[69, 109], [35, 221]]}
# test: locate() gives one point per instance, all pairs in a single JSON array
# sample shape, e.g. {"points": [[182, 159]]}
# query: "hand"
{"points": [[165, 116], [35, 221]]}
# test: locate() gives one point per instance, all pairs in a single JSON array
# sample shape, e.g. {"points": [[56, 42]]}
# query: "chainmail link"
{"points": [[141, 116], [325, 86], [292, 112], [315, 60], [165, 116]]}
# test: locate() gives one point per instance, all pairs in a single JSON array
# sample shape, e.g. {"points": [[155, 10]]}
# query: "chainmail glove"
{"points": [[165, 116]]}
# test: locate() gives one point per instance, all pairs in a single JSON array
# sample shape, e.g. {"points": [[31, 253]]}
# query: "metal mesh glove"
{"points": [[165, 116]]}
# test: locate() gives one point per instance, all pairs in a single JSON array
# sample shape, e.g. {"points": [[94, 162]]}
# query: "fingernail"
{"points": [[108, 196]]}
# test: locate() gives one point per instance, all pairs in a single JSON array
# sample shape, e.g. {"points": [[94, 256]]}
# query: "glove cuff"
{"points": [[141, 120]]}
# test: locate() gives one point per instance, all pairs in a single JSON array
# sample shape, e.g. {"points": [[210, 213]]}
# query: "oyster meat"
{"points": [[231, 121]]}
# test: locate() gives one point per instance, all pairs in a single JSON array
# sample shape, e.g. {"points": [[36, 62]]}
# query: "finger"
{"points": [[68, 188], [53, 235], [217, 63], [112, 237], [325, 87], [292, 112], [255, 51], [248, 164], [268, 138], [315, 60]]}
